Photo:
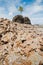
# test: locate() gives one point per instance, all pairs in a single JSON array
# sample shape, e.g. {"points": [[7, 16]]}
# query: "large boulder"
{"points": [[21, 19], [27, 20], [18, 18]]}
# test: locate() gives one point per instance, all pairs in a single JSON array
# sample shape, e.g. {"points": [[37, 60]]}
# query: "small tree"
{"points": [[20, 9]]}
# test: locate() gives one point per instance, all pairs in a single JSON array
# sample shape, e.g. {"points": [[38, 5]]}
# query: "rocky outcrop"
{"points": [[27, 20], [21, 19], [18, 18], [20, 44]]}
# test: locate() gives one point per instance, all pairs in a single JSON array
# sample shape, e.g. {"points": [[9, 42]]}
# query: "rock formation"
{"points": [[27, 20], [21, 19], [20, 44]]}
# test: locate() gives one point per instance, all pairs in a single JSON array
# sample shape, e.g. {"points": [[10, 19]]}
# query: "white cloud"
{"points": [[11, 6], [12, 10], [37, 20], [2, 11], [36, 9], [31, 10], [37, 2]]}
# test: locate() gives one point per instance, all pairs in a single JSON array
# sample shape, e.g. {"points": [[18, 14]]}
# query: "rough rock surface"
{"points": [[21, 19], [20, 44], [27, 20]]}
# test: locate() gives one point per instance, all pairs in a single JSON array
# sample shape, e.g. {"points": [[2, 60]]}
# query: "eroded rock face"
{"points": [[20, 44], [18, 18], [21, 19], [27, 20]]}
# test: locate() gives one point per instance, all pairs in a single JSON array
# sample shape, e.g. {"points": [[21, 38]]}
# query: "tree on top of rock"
{"points": [[20, 9]]}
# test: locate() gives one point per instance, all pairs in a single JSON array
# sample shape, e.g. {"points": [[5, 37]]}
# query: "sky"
{"points": [[32, 9]]}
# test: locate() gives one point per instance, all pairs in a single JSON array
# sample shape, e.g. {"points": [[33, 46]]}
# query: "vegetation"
{"points": [[20, 9]]}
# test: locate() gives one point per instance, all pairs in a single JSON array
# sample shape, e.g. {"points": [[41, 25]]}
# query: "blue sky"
{"points": [[32, 8]]}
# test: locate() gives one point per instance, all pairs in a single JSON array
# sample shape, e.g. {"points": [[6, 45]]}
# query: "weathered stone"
{"points": [[21, 19], [20, 44], [27, 20], [18, 18]]}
